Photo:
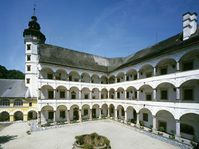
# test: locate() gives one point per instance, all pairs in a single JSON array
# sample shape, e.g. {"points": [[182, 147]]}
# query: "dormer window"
{"points": [[28, 57], [28, 68]]}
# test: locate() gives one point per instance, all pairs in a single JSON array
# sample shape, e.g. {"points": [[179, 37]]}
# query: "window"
{"points": [[28, 57], [187, 66], [145, 117], [30, 104], [73, 95], [148, 74], [163, 71], [62, 94], [118, 95], [18, 102], [148, 97], [163, 125], [185, 128], [85, 111], [28, 68], [123, 113], [4, 102], [135, 77], [70, 78], [50, 115], [28, 46], [86, 96], [49, 76], [50, 95], [164, 94], [28, 81], [127, 94], [62, 114], [188, 94]]}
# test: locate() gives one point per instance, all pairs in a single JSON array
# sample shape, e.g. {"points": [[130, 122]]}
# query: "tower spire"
{"points": [[34, 9]]}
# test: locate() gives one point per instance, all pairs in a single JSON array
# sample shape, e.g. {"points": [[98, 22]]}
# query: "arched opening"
{"points": [[4, 116], [166, 92], [95, 111], [32, 115], [131, 75], [74, 113], [47, 114], [95, 79], [4, 102], [74, 93], [146, 71], [95, 93], [104, 110], [145, 118], [47, 73], [131, 115], [120, 93], [61, 113], [104, 93], [47, 92], [18, 116], [131, 93], [190, 61], [85, 112], [120, 112], [61, 74], [85, 93], [146, 93], [189, 126], [104, 80], [60, 92], [111, 79], [112, 110], [189, 91], [74, 76], [165, 122], [18, 102], [166, 66], [120, 77], [85, 77], [112, 93]]}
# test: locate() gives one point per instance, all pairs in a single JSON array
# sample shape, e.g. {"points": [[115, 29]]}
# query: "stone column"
{"points": [[138, 95], [125, 116], [154, 123], [138, 75], [116, 114], [25, 117], [39, 117], [178, 66], [90, 114], [80, 115], [39, 93], [125, 77], [115, 79], [177, 128], [154, 71], [54, 92], [138, 119], [154, 94], [100, 95], [178, 93], [67, 94], [100, 113], [54, 116], [108, 95], [125, 94], [11, 118], [108, 112], [80, 95], [68, 116], [90, 95], [115, 95]]}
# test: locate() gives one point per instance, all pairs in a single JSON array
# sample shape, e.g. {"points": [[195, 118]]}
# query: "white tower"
{"points": [[32, 38]]}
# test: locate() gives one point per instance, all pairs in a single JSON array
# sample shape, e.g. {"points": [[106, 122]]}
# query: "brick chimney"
{"points": [[189, 24]]}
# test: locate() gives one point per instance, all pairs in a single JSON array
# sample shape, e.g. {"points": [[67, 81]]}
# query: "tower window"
{"points": [[28, 57], [28, 46], [50, 95], [164, 94], [188, 94], [62, 94], [28, 81], [28, 68]]}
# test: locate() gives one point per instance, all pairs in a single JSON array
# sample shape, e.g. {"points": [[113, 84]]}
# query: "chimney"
{"points": [[189, 24]]}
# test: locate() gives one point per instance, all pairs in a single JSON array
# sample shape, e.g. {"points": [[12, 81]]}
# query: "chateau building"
{"points": [[156, 87]]}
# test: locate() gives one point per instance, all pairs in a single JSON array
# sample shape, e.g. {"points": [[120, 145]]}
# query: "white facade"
{"points": [[161, 91]]}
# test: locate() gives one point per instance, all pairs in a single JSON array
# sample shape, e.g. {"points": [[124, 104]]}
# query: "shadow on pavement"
{"points": [[5, 139]]}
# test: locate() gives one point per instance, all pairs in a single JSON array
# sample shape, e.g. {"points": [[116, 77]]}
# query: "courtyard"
{"points": [[121, 136]]}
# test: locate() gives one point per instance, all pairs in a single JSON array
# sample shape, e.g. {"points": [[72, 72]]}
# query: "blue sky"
{"points": [[110, 28]]}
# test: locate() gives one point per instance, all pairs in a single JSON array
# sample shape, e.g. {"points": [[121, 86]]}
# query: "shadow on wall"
{"points": [[5, 139]]}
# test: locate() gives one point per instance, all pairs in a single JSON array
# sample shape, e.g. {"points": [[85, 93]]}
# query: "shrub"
{"points": [[161, 129]]}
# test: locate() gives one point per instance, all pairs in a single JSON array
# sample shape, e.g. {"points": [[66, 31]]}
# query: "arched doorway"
{"points": [[18, 116], [32, 115], [4, 116]]}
